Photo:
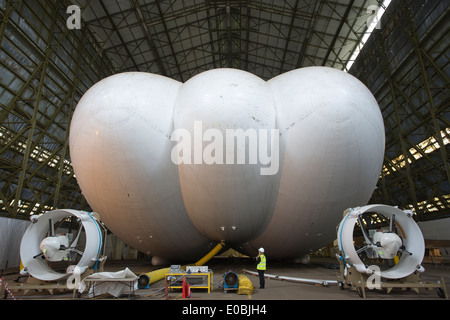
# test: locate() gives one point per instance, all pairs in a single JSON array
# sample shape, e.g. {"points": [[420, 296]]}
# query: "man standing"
{"points": [[261, 266]]}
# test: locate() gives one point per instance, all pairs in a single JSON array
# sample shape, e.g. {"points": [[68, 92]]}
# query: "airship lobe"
{"points": [[172, 167]]}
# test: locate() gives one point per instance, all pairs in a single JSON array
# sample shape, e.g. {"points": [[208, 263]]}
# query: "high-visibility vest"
{"points": [[262, 263]]}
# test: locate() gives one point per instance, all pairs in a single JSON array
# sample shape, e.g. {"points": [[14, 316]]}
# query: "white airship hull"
{"points": [[332, 138], [173, 199], [230, 201]]}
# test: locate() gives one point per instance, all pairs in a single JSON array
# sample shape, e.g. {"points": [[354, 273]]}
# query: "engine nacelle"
{"points": [[407, 243], [55, 248], [39, 241]]}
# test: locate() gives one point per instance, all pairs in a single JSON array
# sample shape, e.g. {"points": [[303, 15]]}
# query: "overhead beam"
{"points": [[288, 38], [338, 31], [170, 41], [427, 88], [149, 38], [129, 55], [29, 143]]}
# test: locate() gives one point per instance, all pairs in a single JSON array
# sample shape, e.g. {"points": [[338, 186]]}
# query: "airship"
{"points": [[173, 168]]}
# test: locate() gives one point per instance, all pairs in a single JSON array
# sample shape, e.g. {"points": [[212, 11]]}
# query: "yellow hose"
{"points": [[161, 273], [210, 255], [157, 275]]}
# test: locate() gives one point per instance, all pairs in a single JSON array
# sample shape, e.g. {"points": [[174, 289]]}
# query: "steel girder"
{"points": [[46, 67], [406, 66]]}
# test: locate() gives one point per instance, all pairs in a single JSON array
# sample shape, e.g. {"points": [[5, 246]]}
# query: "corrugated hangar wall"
{"points": [[405, 64], [45, 68]]}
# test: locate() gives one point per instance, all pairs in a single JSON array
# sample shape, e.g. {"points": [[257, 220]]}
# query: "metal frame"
{"points": [[405, 64], [45, 68]]}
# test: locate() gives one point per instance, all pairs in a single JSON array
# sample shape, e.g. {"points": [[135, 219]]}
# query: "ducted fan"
{"points": [[43, 248], [391, 241]]}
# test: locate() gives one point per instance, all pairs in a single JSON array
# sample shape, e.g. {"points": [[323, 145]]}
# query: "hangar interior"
{"points": [[47, 62]]}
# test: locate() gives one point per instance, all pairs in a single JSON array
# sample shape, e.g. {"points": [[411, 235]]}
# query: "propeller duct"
{"points": [[399, 243], [40, 245]]}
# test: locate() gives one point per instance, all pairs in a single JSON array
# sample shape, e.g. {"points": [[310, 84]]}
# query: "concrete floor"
{"points": [[275, 290]]}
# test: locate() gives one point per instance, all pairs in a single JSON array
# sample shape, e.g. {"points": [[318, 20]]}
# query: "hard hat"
{"points": [[261, 250]]}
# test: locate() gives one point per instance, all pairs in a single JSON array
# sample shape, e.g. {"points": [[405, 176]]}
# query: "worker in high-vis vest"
{"points": [[261, 266]]}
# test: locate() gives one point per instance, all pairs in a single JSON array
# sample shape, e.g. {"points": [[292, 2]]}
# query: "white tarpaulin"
{"points": [[11, 232], [114, 283]]}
